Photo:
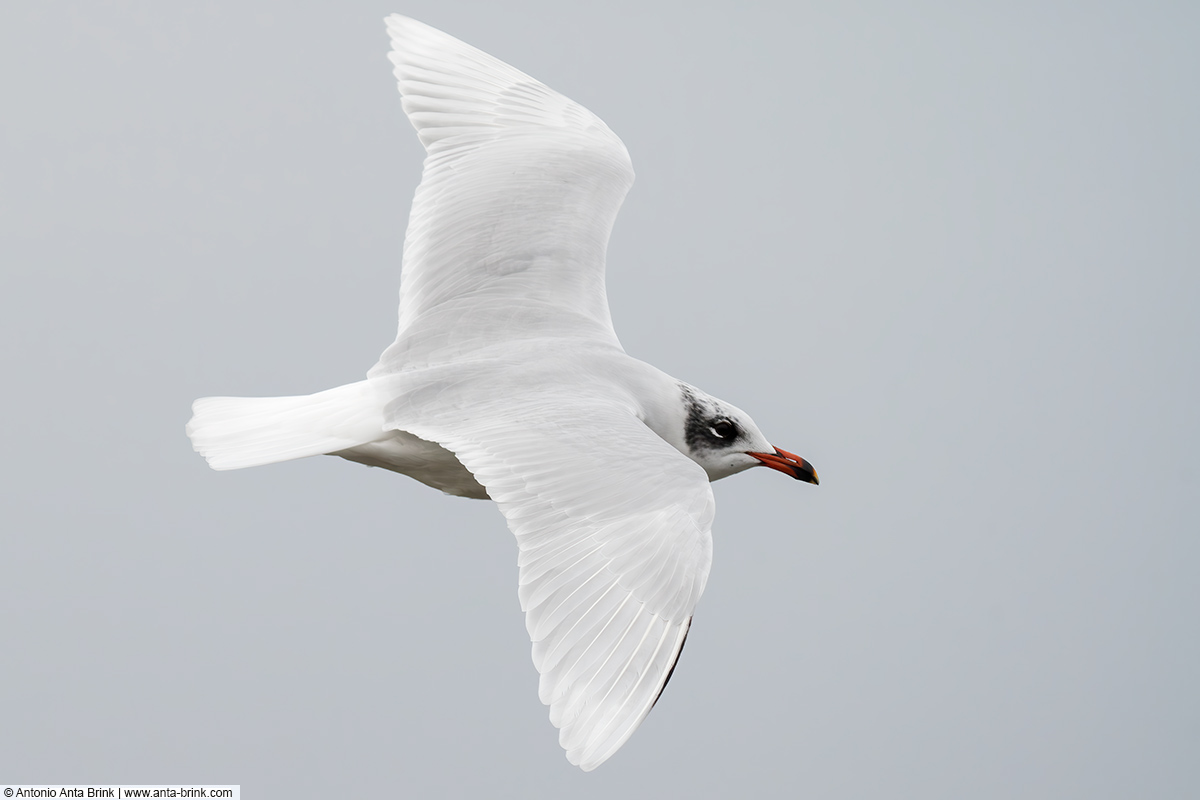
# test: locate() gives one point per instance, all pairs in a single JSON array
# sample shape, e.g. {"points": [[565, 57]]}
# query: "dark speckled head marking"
{"points": [[705, 427]]}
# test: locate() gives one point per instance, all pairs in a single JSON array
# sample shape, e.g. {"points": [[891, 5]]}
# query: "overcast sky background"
{"points": [[951, 255]]}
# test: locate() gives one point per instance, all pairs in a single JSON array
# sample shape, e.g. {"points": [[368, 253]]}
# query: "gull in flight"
{"points": [[506, 381]]}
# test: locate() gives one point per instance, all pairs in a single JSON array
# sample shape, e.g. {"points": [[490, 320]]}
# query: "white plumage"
{"points": [[507, 381]]}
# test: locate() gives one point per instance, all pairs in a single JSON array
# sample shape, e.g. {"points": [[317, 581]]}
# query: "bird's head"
{"points": [[723, 440]]}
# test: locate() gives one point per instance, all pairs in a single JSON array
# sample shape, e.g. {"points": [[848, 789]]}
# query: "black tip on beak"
{"points": [[790, 464]]}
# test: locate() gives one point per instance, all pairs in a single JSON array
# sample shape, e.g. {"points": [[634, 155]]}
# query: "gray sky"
{"points": [[948, 254]]}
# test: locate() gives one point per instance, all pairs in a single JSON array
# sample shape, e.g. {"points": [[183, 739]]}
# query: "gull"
{"points": [[507, 382]]}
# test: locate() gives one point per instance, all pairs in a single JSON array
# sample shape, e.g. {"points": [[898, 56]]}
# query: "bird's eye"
{"points": [[723, 429]]}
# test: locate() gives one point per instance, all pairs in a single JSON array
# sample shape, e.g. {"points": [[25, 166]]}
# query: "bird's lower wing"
{"points": [[614, 529]]}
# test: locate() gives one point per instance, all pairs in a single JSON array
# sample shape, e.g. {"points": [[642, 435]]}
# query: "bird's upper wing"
{"points": [[614, 529], [509, 226]]}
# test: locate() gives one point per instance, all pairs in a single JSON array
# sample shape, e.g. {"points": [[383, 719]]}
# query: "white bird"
{"points": [[506, 381]]}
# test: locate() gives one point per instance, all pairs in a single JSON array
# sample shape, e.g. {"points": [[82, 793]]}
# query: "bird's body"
{"points": [[506, 381]]}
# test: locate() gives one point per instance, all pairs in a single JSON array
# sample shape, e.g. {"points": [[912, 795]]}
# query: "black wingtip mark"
{"points": [[674, 663]]}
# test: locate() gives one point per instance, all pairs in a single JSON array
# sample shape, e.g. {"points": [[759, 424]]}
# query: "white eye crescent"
{"points": [[723, 429]]}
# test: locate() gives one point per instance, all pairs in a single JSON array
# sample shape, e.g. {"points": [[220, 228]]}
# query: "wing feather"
{"points": [[614, 551], [510, 224]]}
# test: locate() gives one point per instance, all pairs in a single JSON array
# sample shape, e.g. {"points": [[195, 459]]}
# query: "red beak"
{"points": [[788, 463]]}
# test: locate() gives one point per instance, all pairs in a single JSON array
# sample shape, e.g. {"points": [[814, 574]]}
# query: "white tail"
{"points": [[236, 432]]}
